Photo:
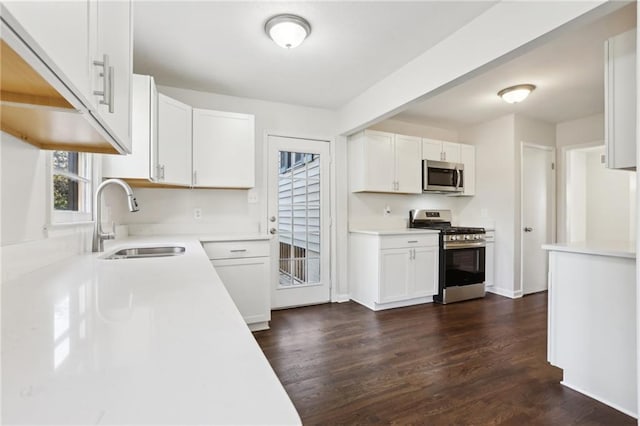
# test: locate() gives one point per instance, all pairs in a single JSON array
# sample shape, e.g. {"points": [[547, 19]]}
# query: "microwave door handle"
{"points": [[458, 179]]}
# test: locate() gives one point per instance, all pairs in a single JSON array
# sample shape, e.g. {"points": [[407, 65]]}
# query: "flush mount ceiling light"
{"points": [[515, 94], [287, 31]]}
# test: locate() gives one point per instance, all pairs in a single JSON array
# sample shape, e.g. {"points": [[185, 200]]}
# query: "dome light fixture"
{"points": [[515, 94], [287, 30]]}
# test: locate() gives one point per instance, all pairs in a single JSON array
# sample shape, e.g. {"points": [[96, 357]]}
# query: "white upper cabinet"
{"points": [[174, 141], [112, 65], [142, 163], [223, 149], [436, 150], [451, 152], [67, 45], [620, 101], [59, 54], [431, 149], [468, 159], [408, 164], [384, 162]]}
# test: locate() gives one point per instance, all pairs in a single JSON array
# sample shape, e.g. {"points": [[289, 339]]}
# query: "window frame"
{"points": [[87, 175]]}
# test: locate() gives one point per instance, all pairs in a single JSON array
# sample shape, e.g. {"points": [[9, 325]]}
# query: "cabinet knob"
{"points": [[528, 229], [273, 231]]}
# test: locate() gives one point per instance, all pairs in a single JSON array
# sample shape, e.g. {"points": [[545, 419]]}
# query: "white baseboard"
{"points": [[392, 305], [340, 298], [597, 398], [504, 292]]}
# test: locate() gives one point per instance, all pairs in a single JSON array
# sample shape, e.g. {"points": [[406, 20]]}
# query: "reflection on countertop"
{"points": [[149, 340]]}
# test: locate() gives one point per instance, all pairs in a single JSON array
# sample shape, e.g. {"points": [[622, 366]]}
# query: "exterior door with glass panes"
{"points": [[298, 221]]}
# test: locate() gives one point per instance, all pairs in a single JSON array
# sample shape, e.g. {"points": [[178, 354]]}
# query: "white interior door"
{"points": [[538, 192], [298, 219]]}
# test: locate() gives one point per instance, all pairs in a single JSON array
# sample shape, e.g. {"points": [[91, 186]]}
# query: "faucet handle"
{"points": [[111, 235]]}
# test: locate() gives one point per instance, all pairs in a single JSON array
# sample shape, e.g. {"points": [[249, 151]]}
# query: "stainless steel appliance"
{"points": [[440, 176], [462, 256]]}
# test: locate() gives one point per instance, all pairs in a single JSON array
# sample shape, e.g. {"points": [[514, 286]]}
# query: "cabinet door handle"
{"points": [[238, 250], [412, 241], [107, 82], [195, 177]]}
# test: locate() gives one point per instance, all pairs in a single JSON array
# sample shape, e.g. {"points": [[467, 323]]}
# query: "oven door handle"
{"points": [[463, 245]]}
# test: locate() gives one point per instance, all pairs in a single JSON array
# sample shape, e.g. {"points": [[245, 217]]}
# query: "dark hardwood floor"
{"points": [[479, 362]]}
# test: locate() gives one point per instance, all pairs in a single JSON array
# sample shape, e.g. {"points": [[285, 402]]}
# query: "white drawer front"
{"points": [[236, 249], [400, 241]]}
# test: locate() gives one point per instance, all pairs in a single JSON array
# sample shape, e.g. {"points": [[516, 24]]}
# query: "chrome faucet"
{"points": [[98, 235]]}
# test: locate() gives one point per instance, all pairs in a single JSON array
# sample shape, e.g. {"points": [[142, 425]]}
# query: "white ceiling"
{"points": [[221, 47], [568, 72]]}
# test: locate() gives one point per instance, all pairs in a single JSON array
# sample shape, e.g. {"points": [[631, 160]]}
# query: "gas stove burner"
{"points": [[462, 230], [440, 220]]}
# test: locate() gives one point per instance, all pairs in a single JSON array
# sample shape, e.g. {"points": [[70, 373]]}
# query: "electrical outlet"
{"points": [[197, 213]]}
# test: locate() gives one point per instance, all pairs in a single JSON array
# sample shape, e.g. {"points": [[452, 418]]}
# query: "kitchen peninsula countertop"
{"points": [[402, 231], [153, 340], [602, 248]]}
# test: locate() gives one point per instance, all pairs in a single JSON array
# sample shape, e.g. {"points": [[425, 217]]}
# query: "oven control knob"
{"points": [[466, 237]]}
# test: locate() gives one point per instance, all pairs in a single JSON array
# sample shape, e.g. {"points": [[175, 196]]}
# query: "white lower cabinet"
{"points": [[389, 271], [244, 268]]}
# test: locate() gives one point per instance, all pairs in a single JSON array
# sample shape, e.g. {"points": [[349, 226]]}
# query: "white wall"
{"points": [[536, 132], [423, 130], [586, 131], [495, 199], [24, 190], [609, 200], [27, 240], [576, 195], [366, 210]]}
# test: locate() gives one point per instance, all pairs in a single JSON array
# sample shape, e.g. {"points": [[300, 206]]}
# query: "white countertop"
{"points": [[93, 341], [602, 248], [402, 231], [233, 237]]}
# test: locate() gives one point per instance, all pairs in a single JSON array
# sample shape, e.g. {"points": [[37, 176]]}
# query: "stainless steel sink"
{"points": [[142, 252]]}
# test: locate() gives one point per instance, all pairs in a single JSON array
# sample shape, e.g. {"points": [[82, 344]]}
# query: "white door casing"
{"points": [[537, 208], [317, 289]]}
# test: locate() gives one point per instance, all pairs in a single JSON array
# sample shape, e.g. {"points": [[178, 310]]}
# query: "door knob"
{"points": [[528, 229], [272, 231]]}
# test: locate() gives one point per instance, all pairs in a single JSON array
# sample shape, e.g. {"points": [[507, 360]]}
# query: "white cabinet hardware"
{"points": [[107, 83]]}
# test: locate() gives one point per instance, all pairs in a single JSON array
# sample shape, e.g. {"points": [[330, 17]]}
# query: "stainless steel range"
{"points": [[462, 256]]}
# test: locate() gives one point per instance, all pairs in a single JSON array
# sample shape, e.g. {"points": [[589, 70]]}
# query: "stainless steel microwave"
{"points": [[440, 176]]}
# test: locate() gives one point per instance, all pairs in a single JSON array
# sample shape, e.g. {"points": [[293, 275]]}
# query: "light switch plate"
{"points": [[252, 196]]}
